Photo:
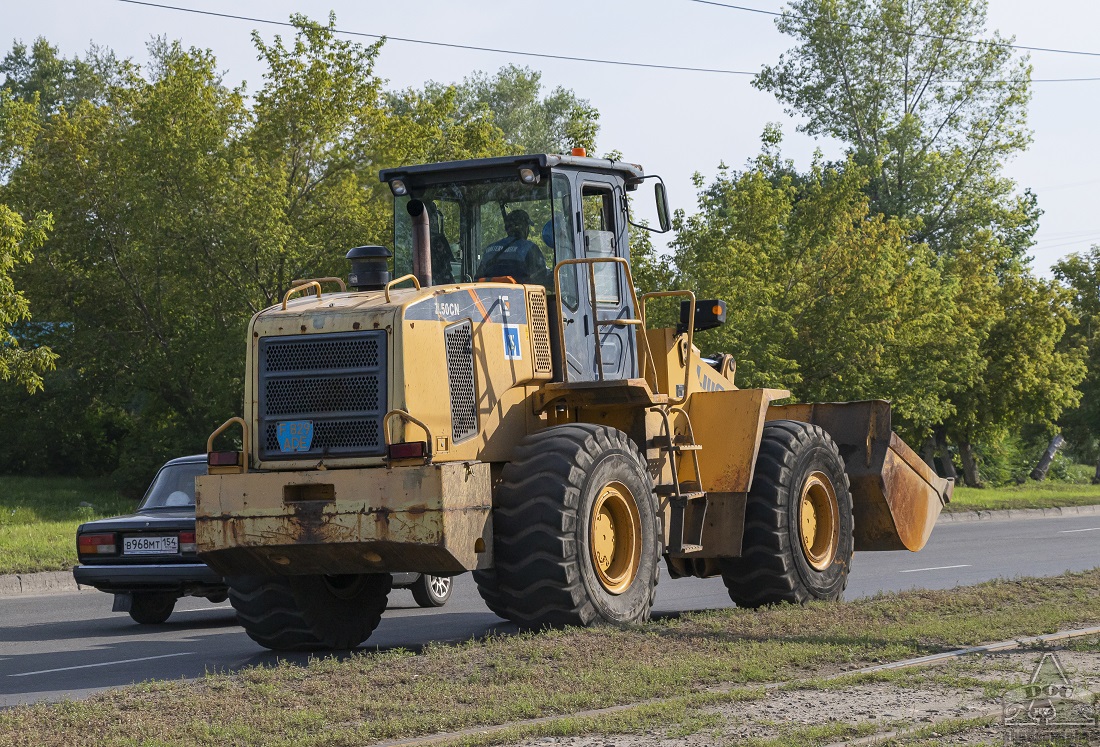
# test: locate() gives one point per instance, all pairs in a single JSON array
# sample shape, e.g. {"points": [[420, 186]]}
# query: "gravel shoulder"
{"points": [[957, 703]]}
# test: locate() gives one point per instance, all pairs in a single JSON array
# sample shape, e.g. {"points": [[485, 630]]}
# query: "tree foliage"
{"points": [[40, 75], [823, 297], [182, 207], [934, 115], [1080, 273], [21, 364], [512, 101], [931, 108]]}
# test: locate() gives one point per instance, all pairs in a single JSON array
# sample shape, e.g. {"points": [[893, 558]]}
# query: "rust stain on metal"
{"points": [[423, 518]]}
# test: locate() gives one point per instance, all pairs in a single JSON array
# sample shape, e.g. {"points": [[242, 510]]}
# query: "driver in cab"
{"points": [[514, 256]]}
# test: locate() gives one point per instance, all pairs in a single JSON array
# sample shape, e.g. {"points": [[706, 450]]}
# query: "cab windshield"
{"points": [[174, 486], [484, 230]]}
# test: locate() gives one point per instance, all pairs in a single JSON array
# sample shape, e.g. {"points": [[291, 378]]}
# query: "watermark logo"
{"points": [[1050, 709]]}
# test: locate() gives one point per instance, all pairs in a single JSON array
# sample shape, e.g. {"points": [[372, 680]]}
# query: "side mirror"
{"points": [[664, 217], [709, 314], [662, 206]]}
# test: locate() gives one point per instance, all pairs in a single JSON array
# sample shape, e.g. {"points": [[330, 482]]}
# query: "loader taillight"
{"points": [[223, 458], [187, 542], [96, 544], [408, 450]]}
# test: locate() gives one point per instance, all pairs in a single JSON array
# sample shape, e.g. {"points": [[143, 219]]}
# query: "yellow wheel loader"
{"points": [[500, 406]]}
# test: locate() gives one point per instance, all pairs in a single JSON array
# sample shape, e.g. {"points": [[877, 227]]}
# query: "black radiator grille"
{"points": [[335, 383], [460, 375]]}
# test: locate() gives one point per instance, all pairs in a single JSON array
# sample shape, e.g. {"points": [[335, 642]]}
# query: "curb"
{"points": [[49, 582], [1014, 514], [62, 582]]}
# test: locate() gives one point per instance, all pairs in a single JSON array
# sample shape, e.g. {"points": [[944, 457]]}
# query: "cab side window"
{"points": [[599, 240]]}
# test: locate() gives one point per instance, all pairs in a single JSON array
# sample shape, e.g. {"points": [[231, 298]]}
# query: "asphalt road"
{"points": [[70, 645]]}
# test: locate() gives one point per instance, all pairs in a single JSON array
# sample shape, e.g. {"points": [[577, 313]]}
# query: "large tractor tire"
{"points": [[798, 537], [574, 531], [307, 613]]}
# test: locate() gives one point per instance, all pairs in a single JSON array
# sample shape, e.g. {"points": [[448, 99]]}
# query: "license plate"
{"points": [[295, 435], [150, 545]]}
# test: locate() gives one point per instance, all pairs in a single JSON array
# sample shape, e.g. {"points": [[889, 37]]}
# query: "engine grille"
{"points": [[460, 375], [337, 382], [540, 332]]}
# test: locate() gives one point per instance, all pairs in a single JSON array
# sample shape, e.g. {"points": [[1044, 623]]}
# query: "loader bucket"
{"points": [[896, 497]]}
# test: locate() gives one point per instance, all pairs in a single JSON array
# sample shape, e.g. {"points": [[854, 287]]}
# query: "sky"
{"points": [[674, 123]]}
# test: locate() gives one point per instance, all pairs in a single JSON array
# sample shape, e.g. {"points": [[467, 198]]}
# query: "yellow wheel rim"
{"points": [[615, 537], [819, 521]]}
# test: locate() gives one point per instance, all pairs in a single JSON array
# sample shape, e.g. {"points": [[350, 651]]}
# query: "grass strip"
{"points": [[1030, 495], [380, 696], [39, 517]]}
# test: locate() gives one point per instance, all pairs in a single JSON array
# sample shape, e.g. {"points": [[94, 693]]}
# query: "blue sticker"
{"points": [[295, 435], [512, 350]]}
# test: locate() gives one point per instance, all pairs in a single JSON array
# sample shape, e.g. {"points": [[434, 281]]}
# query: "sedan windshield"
{"points": [[174, 486]]}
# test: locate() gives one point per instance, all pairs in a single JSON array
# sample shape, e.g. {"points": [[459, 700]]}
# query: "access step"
{"points": [[669, 491], [661, 442]]}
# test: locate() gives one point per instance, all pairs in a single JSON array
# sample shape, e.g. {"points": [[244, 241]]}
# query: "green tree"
{"points": [[933, 111], [182, 208], [512, 100], [1030, 374], [41, 75], [823, 297], [934, 115], [18, 241], [1081, 274], [146, 188]]}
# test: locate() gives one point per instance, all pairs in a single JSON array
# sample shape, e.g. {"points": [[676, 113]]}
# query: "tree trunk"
{"points": [[970, 465], [1096, 477], [1040, 471], [928, 452], [945, 456]]}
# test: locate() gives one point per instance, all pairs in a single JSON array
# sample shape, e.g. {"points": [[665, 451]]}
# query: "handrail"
{"points": [[690, 333], [294, 289], [597, 322], [244, 439], [398, 413], [401, 279], [338, 281]]}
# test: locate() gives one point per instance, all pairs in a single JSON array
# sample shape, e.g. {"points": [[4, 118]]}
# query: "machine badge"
{"points": [[512, 350]]}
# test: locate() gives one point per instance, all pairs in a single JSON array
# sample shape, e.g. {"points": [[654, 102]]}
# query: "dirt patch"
{"points": [[837, 713]]}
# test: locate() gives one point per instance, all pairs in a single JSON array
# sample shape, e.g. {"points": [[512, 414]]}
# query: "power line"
{"points": [[451, 45], [542, 55], [779, 14]]}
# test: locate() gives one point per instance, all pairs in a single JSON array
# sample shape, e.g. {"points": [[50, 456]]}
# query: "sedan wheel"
{"points": [[432, 591], [152, 609]]}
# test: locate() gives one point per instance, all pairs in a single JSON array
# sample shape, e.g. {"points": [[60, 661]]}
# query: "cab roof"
{"points": [[505, 166]]}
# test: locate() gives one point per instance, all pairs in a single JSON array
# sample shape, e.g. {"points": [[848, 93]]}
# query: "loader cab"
{"points": [[514, 219]]}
